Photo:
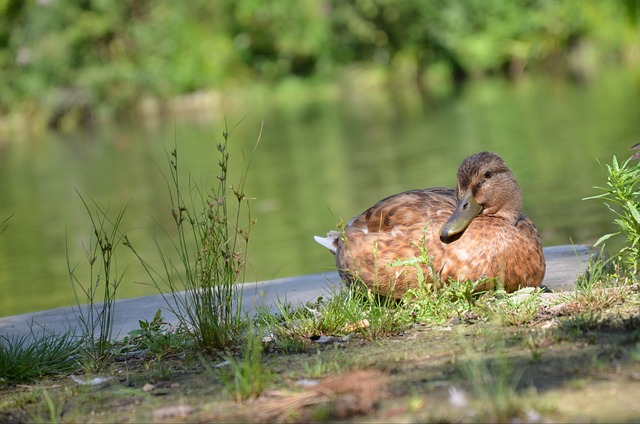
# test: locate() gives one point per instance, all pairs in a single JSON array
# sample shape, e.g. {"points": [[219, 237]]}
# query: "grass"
{"points": [[515, 309], [580, 323], [213, 230], [352, 310], [156, 337], [25, 359]]}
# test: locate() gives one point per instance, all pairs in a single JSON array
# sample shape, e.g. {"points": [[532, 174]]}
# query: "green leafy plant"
{"points": [[156, 336], [213, 230], [622, 196], [99, 292]]}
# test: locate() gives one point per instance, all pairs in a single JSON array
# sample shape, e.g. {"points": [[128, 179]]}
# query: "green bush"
{"points": [[72, 60]]}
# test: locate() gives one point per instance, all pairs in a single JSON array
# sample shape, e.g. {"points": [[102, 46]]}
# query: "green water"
{"points": [[321, 158]]}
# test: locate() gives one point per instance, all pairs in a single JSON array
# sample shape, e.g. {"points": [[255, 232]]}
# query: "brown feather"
{"points": [[500, 243]]}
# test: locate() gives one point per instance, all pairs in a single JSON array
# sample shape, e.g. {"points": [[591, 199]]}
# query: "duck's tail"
{"points": [[330, 241]]}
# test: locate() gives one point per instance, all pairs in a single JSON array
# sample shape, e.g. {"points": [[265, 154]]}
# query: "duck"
{"points": [[474, 232]]}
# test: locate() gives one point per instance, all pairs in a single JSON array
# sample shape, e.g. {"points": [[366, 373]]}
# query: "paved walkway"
{"points": [[564, 264]]}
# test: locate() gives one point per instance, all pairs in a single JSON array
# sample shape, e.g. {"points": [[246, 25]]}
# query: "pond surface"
{"points": [[321, 158]]}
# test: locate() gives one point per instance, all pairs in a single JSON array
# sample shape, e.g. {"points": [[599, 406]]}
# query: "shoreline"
{"points": [[564, 264]]}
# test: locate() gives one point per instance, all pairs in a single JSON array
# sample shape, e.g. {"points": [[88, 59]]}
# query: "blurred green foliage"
{"points": [[99, 57]]}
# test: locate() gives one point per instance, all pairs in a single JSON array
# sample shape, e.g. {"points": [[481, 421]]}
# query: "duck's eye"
{"points": [[488, 175]]}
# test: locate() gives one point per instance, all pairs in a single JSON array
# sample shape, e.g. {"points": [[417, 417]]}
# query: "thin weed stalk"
{"points": [[4, 224], [97, 316], [211, 246]]}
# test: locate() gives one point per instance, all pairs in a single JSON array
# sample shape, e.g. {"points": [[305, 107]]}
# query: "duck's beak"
{"points": [[466, 209]]}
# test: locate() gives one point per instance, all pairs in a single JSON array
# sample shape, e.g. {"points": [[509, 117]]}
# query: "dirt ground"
{"points": [[556, 369]]}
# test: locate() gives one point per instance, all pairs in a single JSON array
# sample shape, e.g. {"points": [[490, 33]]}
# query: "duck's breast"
{"points": [[494, 248]]}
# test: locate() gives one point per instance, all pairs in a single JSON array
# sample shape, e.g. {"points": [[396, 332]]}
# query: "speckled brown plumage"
{"points": [[499, 242]]}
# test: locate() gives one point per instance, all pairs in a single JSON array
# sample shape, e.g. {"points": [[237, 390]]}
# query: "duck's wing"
{"points": [[407, 209], [399, 210]]}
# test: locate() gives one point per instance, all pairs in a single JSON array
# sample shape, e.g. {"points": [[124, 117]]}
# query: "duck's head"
{"points": [[485, 186]]}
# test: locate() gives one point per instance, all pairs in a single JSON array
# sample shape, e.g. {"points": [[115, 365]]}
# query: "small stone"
{"points": [[222, 364], [172, 412], [325, 339], [92, 382], [305, 382], [457, 398], [148, 387]]}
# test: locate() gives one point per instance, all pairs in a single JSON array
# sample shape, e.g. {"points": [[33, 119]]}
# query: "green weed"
{"points": [[357, 309], [156, 336], [213, 230], [622, 197], [290, 344], [433, 300], [420, 263], [21, 400], [156, 371], [604, 293], [96, 317]]}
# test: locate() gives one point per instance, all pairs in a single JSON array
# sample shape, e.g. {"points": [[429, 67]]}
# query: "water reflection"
{"points": [[318, 161]]}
